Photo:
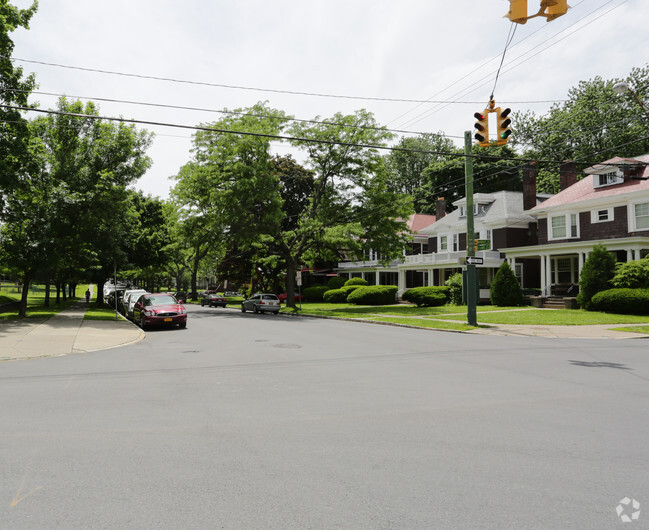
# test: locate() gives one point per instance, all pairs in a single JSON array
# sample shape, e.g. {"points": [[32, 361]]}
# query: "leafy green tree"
{"points": [[351, 206], [505, 289], [494, 169], [632, 274], [14, 91], [596, 274], [406, 166], [593, 124]]}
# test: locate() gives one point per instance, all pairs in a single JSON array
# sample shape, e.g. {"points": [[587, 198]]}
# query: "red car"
{"points": [[159, 309], [297, 297]]}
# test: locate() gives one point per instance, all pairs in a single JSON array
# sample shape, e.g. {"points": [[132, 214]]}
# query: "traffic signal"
{"points": [[518, 11], [503, 125], [554, 8], [482, 125]]}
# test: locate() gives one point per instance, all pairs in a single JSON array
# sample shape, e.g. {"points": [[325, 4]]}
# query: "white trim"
{"points": [[632, 216], [568, 226], [597, 213]]}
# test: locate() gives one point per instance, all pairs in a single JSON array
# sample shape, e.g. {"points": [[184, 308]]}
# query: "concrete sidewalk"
{"points": [[63, 334]]}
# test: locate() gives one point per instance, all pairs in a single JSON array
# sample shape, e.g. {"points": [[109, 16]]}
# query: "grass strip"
{"points": [[555, 317], [424, 323], [102, 312], [634, 329]]}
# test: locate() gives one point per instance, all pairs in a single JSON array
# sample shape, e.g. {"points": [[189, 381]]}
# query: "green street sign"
{"points": [[482, 244]]}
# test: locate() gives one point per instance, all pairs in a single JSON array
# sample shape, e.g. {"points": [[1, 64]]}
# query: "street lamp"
{"points": [[622, 87]]}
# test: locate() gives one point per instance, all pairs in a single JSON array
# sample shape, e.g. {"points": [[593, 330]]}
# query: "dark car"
{"points": [[181, 296], [261, 303], [159, 309], [213, 300]]}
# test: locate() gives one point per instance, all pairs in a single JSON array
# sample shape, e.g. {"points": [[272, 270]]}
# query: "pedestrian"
{"points": [[87, 296]]}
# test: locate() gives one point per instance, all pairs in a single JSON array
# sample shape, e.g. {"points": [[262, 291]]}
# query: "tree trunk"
{"points": [[58, 292], [100, 293], [22, 309], [47, 293]]}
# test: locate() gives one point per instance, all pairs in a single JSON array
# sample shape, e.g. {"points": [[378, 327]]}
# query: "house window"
{"points": [[642, 216], [601, 216], [443, 243], [609, 178], [455, 242], [564, 226]]}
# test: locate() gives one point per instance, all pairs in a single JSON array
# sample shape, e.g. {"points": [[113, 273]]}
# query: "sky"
{"points": [[230, 55]]}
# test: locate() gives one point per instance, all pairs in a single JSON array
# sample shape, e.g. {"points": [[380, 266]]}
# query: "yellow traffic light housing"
{"points": [[517, 11], [552, 9], [482, 126], [503, 125]]}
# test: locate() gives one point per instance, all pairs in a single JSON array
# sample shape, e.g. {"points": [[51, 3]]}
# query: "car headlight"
{"points": [[181, 311]]}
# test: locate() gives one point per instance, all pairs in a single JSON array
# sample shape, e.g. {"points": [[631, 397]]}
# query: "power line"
{"points": [[239, 87]]}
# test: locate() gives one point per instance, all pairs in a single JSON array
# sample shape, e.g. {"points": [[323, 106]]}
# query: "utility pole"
{"points": [[471, 278]]}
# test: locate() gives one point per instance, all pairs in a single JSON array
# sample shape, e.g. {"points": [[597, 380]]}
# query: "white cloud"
{"points": [[380, 48]]}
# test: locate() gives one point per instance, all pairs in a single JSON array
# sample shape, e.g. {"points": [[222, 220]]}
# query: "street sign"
{"points": [[472, 260], [482, 244], [298, 278]]}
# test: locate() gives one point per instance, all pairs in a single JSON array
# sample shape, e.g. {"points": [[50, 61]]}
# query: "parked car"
{"points": [[213, 300], [181, 296], [261, 302], [297, 297], [128, 301], [159, 309]]}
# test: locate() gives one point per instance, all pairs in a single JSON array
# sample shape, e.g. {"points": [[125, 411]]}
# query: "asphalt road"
{"points": [[262, 421]]}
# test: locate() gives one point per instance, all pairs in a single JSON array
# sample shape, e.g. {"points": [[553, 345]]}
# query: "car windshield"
{"points": [[269, 297], [162, 299]]}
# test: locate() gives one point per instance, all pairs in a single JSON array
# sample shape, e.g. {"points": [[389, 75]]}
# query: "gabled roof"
{"points": [[583, 190], [505, 207], [417, 221]]}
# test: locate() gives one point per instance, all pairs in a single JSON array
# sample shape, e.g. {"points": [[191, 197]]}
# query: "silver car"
{"points": [[130, 297], [261, 302]]}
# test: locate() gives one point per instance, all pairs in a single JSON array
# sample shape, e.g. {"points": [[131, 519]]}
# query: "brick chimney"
{"points": [[529, 186], [567, 175], [440, 208]]}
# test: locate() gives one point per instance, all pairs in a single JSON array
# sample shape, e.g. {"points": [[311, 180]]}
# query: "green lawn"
{"points": [[634, 329], [428, 316], [102, 312], [36, 302]]}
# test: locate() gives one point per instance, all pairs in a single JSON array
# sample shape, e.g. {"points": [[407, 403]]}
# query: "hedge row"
{"points": [[374, 295], [621, 301], [427, 296]]}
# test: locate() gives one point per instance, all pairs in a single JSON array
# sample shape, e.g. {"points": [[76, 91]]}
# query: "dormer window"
{"points": [[608, 178], [477, 209]]}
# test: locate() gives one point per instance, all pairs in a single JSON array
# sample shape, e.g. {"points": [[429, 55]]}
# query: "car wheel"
{"points": [[202, 303], [243, 308], [254, 309], [142, 325], [275, 312], [182, 325]]}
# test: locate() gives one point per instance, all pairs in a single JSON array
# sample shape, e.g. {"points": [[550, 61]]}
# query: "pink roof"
{"points": [[418, 221], [584, 190]]}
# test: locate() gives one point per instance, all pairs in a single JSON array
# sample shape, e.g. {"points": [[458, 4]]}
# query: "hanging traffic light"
{"points": [[482, 126], [553, 8], [517, 11], [503, 125]]}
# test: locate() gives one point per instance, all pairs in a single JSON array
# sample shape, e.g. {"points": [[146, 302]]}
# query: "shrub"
{"points": [[336, 282], [505, 289], [632, 274], [427, 296], [315, 293], [374, 295], [335, 296], [621, 301], [596, 275], [454, 284], [356, 281], [349, 288]]}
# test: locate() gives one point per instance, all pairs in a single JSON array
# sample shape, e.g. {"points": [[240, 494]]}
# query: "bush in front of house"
{"points": [[505, 289], [632, 274], [336, 282], [374, 295], [315, 293], [454, 284], [596, 275], [427, 296], [335, 296], [356, 281], [621, 301], [350, 288]]}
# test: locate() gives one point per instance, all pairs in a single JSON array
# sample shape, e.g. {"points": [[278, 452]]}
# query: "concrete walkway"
{"points": [[63, 334]]}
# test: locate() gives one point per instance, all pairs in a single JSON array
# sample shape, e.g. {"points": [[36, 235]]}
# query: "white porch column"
{"points": [[580, 263], [544, 276], [377, 276], [402, 280], [363, 274], [629, 255], [431, 277]]}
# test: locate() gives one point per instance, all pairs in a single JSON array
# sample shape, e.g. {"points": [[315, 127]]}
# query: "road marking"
{"points": [[18, 498]]}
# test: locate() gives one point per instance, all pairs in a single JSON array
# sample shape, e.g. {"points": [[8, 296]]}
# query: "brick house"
{"points": [[609, 206]]}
